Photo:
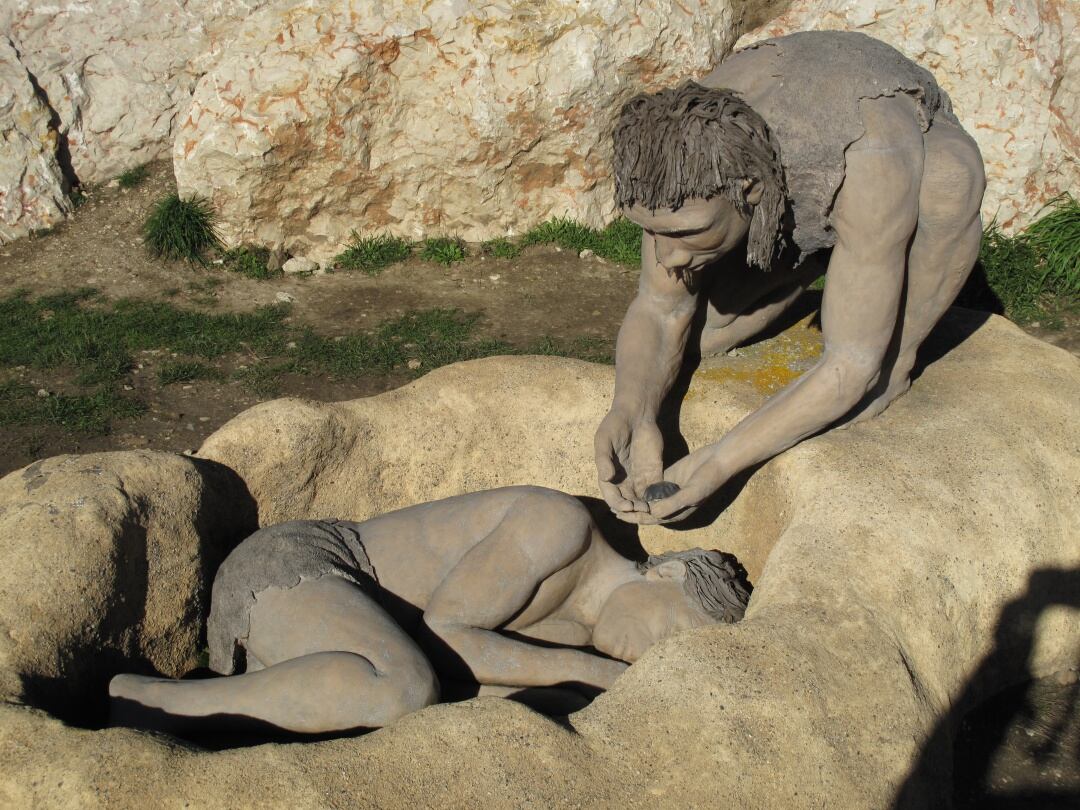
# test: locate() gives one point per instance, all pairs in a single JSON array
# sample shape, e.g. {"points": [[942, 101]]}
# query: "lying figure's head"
{"points": [[676, 591], [699, 169]]}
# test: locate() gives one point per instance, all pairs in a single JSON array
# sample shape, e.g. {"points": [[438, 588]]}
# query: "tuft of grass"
{"points": [[1056, 238], [180, 371], [372, 253], [501, 248], [619, 242], [181, 229], [133, 176], [1011, 266], [443, 249], [250, 261]]}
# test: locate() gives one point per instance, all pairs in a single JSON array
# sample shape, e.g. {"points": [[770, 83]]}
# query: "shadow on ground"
{"points": [[1018, 749]]}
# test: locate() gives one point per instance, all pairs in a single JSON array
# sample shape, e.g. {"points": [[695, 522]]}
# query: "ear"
{"points": [[753, 190], [671, 570]]}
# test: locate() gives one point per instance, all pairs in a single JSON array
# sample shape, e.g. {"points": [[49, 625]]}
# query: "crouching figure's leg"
{"points": [[333, 661]]}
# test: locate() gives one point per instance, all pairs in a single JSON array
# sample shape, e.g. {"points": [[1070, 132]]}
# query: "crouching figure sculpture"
{"points": [[336, 626], [818, 148]]}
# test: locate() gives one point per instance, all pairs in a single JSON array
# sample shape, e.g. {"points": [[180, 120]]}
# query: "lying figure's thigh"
{"points": [[330, 614]]}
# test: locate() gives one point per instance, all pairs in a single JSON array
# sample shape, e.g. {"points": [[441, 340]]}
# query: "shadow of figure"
{"points": [[927, 785]]}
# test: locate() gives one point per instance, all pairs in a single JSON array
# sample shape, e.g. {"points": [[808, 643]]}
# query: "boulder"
{"points": [[33, 192], [904, 568], [1011, 68], [117, 74], [106, 563], [477, 120]]}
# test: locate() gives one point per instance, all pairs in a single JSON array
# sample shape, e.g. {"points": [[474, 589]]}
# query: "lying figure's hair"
{"points": [[695, 141], [713, 580]]}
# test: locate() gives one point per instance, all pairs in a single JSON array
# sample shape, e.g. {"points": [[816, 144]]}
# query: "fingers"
{"points": [[614, 497], [673, 505]]}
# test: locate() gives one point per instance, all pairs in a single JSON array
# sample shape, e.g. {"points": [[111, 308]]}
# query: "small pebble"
{"points": [[42, 393], [586, 254], [413, 364], [660, 490], [284, 298]]}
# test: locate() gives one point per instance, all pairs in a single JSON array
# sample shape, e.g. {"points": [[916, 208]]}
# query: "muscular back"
{"points": [[808, 88]]}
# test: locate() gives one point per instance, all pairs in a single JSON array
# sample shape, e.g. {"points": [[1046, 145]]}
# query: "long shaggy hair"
{"points": [[694, 141], [713, 580]]}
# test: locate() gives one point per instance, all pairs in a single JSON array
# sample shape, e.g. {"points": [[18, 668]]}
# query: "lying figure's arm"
{"points": [[648, 355], [492, 584]]}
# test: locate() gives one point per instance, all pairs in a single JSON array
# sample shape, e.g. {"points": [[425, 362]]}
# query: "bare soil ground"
{"points": [[544, 292]]}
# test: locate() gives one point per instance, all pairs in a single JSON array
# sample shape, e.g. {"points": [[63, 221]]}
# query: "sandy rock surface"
{"points": [[105, 559], [1011, 67], [473, 119], [117, 73], [902, 567], [32, 189]]}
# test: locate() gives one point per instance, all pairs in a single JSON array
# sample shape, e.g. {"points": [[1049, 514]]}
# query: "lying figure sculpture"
{"points": [[818, 146], [341, 626]]}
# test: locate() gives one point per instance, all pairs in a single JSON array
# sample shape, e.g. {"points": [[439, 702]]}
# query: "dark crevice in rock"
{"points": [[63, 149]]}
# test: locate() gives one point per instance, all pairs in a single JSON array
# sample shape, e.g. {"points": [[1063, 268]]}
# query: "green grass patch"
{"points": [[501, 248], [444, 250], [249, 261], [181, 229], [133, 177], [182, 371], [97, 339], [1011, 266], [371, 254], [86, 413], [619, 242], [1056, 238]]}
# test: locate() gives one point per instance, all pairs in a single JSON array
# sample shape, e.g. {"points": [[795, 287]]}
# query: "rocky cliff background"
{"points": [[305, 120]]}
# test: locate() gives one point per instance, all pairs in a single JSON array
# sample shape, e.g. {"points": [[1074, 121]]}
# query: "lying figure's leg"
{"points": [[334, 661]]}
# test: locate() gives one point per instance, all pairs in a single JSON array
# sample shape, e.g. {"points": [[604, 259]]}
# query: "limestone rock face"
{"points": [[474, 119], [1011, 68], [903, 567], [118, 73], [32, 193], [106, 560]]}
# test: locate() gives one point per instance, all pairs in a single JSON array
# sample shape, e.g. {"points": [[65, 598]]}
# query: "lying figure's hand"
{"points": [[629, 457], [697, 476]]}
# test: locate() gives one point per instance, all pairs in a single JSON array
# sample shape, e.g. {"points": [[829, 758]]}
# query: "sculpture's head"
{"points": [[676, 591], [698, 169]]}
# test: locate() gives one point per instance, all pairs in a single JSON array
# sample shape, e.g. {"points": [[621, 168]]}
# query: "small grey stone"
{"points": [[660, 490], [586, 254], [298, 264]]}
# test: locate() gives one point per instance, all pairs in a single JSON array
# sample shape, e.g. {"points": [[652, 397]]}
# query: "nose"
{"points": [[671, 255]]}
